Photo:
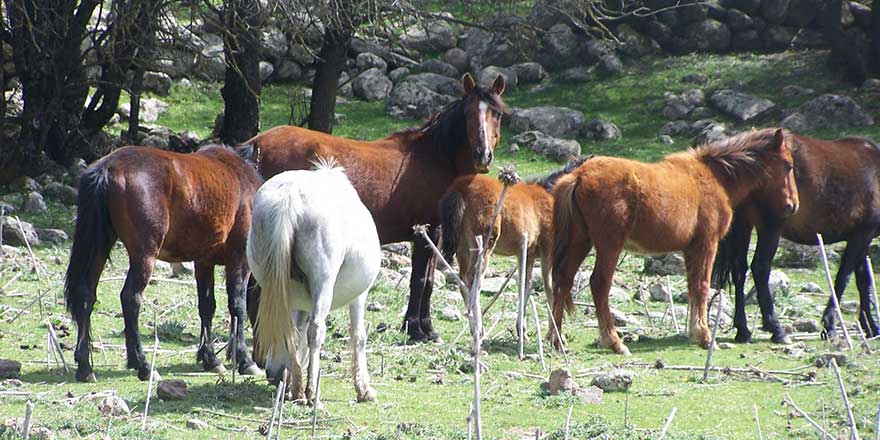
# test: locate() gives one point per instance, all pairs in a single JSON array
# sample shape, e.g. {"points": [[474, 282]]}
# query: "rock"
{"points": [[25, 184], [778, 37], [824, 359], [832, 111], [743, 106], [659, 292], [601, 130], [635, 44], [62, 193], [690, 12], [726, 345], [488, 75], [157, 82], [171, 390], [560, 381], [659, 31], [796, 91], [739, 21], [486, 48], [113, 406], [560, 46], [871, 85], [849, 306], [774, 11], [34, 203], [456, 57], [302, 55], [375, 307], [411, 100], [437, 83], [591, 395], [802, 12], [273, 42], [367, 60], [577, 74], [179, 270], [287, 71], [493, 284], [779, 284], [620, 318], [196, 424], [794, 255], [54, 236], [749, 40], [675, 128], [811, 287], [707, 36], [450, 312], [680, 105], [554, 148], [611, 65], [796, 122], [371, 85], [530, 72], [559, 122], [616, 380], [266, 70], [807, 326], [439, 67], [431, 36], [10, 369], [669, 264], [397, 74], [666, 139], [151, 109], [12, 234], [710, 132]]}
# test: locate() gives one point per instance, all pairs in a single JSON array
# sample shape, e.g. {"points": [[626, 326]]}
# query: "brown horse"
{"points": [[839, 187], [169, 206], [684, 202], [402, 177], [467, 210]]}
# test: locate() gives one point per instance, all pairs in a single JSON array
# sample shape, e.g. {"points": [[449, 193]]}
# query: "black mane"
{"points": [[547, 182]]}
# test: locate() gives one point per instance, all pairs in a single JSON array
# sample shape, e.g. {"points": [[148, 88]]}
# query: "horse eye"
{"points": [[496, 113]]}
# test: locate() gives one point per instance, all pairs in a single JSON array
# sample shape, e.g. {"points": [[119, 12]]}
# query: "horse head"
{"points": [[780, 194], [482, 109]]}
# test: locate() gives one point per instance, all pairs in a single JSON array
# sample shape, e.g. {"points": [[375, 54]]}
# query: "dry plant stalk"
{"points": [[521, 303], [834, 301], [714, 333], [152, 372], [854, 432]]}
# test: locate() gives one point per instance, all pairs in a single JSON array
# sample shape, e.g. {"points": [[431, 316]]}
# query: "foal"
{"points": [[312, 247], [684, 202]]}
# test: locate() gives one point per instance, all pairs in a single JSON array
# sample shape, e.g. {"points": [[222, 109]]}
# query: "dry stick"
{"points": [[12, 280], [57, 346], [30, 251], [279, 394], [152, 370], [864, 339], [281, 404], [316, 403], [757, 422], [28, 409], [854, 433], [164, 280], [877, 424], [668, 422], [556, 330], [644, 299], [834, 294], [234, 345], [568, 421], [521, 303], [671, 304], [498, 293], [39, 296], [714, 332], [538, 333], [788, 401], [477, 332], [871, 285], [468, 419]]}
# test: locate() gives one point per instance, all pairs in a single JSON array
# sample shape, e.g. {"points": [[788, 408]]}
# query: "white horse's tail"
{"points": [[270, 256]]}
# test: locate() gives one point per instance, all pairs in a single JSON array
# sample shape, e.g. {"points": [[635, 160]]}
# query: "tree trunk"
{"points": [[241, 88], [875, 34], [331, 61], [851, 55]]}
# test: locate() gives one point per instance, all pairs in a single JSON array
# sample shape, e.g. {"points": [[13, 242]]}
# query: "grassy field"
{"points": [[424, 390]]}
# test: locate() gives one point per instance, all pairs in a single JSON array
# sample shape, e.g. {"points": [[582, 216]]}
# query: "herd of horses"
{"points": [[306, 240]]}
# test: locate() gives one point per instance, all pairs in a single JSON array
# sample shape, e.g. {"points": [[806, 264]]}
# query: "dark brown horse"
{"points": [[684, 202], [402, 177], [169, 206], [839, 187]]}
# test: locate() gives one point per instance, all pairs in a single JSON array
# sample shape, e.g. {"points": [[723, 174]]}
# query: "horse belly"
{"points": [[356, 275]]}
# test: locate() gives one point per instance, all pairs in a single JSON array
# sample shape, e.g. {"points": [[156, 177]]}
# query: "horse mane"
{"points": [[320, 163], [247, 153], [549, 181], [737, 155]]}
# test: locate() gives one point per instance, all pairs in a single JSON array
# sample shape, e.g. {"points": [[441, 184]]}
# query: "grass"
{"points": [[424, 391]]}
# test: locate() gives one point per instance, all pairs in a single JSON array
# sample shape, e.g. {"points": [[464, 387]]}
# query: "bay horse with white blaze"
{"points": [[839, 187], [402, 177], [312, 247], [169, 206], [685, 202]]}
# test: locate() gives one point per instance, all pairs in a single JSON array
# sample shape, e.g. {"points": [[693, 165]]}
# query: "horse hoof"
{"points": [[368, 396], [781, 339], [743, 337], [253, 370], [89, 378], [624, 351], [219, 369], [156, 376]]}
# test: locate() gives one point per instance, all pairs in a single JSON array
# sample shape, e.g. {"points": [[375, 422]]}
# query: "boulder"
{"points": [[675, 128], [750, 7], [559, 122], [615, 380], [778, 37], [10, 369], [635, 44], [610, 64], [779, 285], [747, 41], [54, 236], [710, 132], [802, 12], [157, 82], [807, 326], [439, 67], [371, 85], [287, 71], [774, 11], [793, 91], [691, 12], [669, 264], [659, 31], [450, 312], [179, 270], [707, 36], [796, 256], [25, 184], [302, 55], [577, 74], [486, 48], [601, 130], [561, 381], [171, 390], [739, 21], [742, 106], [150, 109], [34, 203], [488, 75], [412, 100], [196, 424], [368, 60], [561, 46], [811, 287], [437, 83], [273, 42], [431, 36], [397, 74], [554, 148], [831, 111], [824, 359], [266, 70], [113, 406], [456, 57], [529, 72]]}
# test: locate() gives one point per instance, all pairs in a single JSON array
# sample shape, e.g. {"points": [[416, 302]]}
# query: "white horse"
{"points": [[312, 247]]}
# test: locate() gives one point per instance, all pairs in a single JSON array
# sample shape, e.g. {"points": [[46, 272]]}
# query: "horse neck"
{"points": [[737, 188], [430, 147]]}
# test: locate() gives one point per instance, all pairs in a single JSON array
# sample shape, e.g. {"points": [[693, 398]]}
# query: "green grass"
{"points": [[423, 391]]}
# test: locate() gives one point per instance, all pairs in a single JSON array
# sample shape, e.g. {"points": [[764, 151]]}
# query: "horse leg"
{"points": [[740, 235], [253, 304], [768, 241], [358, 333], [236, 292], [205, 355], [563, 284], [853, 255], [421, 254], [600, 285], [425, 323], [131, 297], [298, 359], [322, 295], [866, 300], [698, 261], [530, 263], [83, 318]]}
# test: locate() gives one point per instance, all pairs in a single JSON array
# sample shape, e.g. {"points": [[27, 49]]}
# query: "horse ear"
{"points": [[498, 85], [249, 151], [467, 82], [779, 138]]}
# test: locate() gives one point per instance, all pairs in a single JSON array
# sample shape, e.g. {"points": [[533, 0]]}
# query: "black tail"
{"points": [[725, 259], [451, 213], [93, 238]]}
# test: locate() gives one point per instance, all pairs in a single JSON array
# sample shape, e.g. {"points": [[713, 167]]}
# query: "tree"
{"points": [[241, 89]]}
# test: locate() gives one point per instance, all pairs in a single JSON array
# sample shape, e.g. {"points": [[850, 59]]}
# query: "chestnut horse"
{"points": [[685, 202], [839, 187], [402, 177], [169, 206], [467, 210]]}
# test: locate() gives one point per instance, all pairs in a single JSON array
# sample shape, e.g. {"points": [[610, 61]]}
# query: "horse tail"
{"points": [[270, 255], [722, 269], [93, 238], [564, 212], [547, 266], [451, 213]]}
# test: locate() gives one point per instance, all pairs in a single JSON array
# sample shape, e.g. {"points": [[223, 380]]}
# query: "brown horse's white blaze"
{"points": [[684, 203]]}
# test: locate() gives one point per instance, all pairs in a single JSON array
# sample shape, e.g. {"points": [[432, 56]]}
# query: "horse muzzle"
{"points": [[791, 208]]}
